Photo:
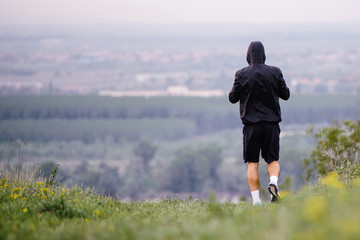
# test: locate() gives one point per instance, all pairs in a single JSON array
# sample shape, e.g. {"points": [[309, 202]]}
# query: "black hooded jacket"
{"points": [[258, 88]]}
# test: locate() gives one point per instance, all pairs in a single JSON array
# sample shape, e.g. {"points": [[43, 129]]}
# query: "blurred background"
{"points": [[130, 97]]}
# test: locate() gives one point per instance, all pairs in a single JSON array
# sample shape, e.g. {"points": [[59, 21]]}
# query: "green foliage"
{"points": [[338, 149], [146, 150], [195, 170], [286, 185], [61, 209], [104, 179]]}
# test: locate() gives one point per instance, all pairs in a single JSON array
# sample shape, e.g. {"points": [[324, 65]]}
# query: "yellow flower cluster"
{"points": [[21, 193], [40, 184], [285, 194], [14, 196], [64, 192], [332, 180], [44, 190], [315, 208], [97, 212], [3, 184]]}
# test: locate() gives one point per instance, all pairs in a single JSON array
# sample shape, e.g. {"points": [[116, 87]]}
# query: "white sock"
{"points": [[274, 180], [255, 197]]}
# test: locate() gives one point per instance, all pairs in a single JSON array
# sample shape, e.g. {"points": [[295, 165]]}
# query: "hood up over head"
{"points": [[256, 53]]}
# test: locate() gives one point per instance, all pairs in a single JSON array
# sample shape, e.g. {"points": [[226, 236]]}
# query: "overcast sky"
{"points": [[178, 11]]}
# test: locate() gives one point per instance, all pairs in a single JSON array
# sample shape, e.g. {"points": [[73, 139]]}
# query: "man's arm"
{"points": [[234, 94], [284, 92]]}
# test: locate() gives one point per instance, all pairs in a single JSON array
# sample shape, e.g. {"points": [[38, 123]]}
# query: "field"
{"points": [[94, 139], [36, 208]]}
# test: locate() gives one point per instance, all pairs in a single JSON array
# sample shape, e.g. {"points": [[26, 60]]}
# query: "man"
{"points": [[258, 87]]}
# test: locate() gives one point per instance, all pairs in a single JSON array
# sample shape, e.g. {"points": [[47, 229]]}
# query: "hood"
{"points": [[256, 53]]}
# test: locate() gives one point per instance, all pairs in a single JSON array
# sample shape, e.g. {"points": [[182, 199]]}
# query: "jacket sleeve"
{"points": [[284, 92], [234, 94]]}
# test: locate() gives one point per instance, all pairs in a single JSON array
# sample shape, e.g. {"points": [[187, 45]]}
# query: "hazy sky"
{"points": [[178, 11]]}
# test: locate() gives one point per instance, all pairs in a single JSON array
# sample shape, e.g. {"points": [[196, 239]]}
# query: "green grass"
{"points": [[31, 208]]}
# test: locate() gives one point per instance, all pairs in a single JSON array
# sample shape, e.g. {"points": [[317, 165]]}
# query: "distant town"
{"points": [[187, 65]]}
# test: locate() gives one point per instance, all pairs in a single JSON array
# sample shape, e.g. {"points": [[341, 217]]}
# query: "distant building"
{"points": [[170, 91]]}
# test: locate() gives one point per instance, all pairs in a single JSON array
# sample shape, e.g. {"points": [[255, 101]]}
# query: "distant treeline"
{"points": [[94, 107], [87, 118]]}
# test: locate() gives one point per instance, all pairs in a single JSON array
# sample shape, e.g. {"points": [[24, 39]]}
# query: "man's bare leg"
{"points": [[274, 172], [253, 180], [274, 169]]}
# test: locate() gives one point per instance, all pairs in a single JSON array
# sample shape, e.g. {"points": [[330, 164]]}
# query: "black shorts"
{"points": [[264, 137]]}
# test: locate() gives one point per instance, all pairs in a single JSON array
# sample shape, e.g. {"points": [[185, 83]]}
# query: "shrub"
{"points": [[337, 150]]}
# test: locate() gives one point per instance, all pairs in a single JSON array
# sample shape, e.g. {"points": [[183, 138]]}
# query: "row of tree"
{"points": [[90, 131], [312, 108], [88, 118]]}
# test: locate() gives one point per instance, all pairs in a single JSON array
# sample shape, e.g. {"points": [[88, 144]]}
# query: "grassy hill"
{"points": [[36, 208]]}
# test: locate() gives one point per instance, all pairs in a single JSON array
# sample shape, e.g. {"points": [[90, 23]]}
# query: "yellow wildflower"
{"points": [[23, 198], [17, 189], [14, 196], [86, 220], [315, 208], [44, 190], [25, 210], [40, 184], [2, 180], [97, 212], [332, 180], [43, 197], [284, 194]]}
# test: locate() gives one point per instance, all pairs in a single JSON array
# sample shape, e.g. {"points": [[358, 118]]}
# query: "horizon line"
{"points": [[4, 23]]}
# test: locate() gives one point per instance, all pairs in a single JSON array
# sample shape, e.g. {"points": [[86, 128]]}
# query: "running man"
{"points": [[258, 87]]}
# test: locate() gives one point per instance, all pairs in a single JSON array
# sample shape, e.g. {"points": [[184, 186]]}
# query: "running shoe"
{"points": [[274, 191], [256, 203]]}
